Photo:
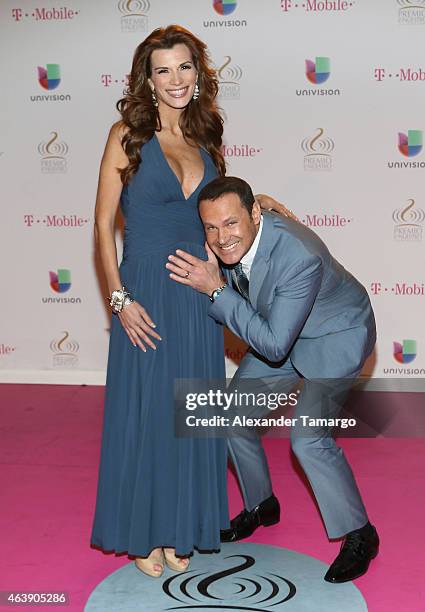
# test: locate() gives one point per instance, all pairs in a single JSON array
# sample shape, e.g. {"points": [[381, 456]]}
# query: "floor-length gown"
{"points": [[156, 489]]}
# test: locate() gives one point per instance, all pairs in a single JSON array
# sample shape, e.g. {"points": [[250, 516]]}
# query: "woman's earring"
{"points": [[154, 100], [196, 91]]}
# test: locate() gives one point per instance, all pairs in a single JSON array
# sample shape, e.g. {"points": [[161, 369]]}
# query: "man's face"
{"points": [[229, 228]]}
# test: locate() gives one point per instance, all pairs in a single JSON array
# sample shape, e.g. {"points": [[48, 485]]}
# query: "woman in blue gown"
{"points": [[159, 496]]}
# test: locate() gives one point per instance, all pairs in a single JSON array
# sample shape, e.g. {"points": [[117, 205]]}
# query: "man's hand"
{"points": [[204, 276], [266, 202]]}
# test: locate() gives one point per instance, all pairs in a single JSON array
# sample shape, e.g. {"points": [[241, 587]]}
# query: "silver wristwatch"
{"points": [[214, 295]]}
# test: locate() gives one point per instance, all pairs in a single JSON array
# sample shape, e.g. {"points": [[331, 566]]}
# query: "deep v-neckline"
{"points": [[167, 163]]}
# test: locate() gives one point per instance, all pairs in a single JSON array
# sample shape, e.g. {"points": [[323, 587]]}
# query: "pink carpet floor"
{"points": [[49, 452]]}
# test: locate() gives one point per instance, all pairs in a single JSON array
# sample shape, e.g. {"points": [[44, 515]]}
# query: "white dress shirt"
{"points": [[248, 258]]}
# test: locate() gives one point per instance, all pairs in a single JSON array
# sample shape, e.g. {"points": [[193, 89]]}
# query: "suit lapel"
{"points": [[261, 259]]}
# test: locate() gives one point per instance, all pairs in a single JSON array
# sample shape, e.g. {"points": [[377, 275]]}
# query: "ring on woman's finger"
{"points": [[187, 274]]}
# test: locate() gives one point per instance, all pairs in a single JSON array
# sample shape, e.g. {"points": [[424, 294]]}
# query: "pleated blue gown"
{"points": [[156, 489]]}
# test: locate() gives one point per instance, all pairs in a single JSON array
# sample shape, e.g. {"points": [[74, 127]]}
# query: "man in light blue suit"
{"points": [[304, 317]]}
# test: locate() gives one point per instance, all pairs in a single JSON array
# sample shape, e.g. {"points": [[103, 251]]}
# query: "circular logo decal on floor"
{"points": [[241, 577]]}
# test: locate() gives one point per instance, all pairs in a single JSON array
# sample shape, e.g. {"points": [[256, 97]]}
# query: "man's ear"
{"points": [[256, 212]]}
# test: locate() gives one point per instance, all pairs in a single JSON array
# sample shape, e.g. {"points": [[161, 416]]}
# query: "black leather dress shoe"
{"points": [[242, 526], [357, 551]]}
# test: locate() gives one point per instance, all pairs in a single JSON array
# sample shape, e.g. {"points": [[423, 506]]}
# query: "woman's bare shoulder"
{"points": [[118, 130], [114, 151]]}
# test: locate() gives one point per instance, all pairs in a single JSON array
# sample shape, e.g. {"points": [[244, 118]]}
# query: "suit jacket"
{"points": [[303, 305]]}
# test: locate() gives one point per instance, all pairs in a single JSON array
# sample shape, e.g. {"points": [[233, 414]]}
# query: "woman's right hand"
{"points": [[138, 326]]}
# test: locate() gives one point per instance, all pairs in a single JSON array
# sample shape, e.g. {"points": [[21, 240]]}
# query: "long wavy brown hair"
{"points": [[200, 121]]}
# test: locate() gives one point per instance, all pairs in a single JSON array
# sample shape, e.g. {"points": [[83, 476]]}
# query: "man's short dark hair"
{"points": [[228, 184]]}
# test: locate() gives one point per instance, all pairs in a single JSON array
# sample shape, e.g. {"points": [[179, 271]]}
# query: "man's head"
{"points": [[231, 217]]}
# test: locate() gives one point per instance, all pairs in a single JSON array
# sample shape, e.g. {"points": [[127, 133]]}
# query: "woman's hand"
{"points": [[138, 326], [266, 202]]}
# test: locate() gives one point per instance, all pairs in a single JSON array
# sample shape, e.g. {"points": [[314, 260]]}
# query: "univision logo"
{"points": [[49, 77], [408, 223], [53, 155], [229, 76], [134, 15], [60, 281], [409, 145], [318, 72], [224, 7], [405, 352], [318, 152]]}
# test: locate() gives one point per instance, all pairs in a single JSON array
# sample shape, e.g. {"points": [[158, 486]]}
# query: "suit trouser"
{"points": [[323, 462]]}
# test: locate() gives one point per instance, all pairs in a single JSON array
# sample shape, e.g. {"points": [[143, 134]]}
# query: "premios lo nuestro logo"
{"points": [[60, 282], [411, 12], [64, 351], [318, 151], [408, 222], [134, 15], [53, 155], [229, 75], [49, 78], [409, 145], [318, 72], [224, 8]]}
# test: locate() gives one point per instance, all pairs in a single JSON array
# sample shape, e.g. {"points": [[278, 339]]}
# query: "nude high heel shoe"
{"points": [[177, 564], [152, 565]]}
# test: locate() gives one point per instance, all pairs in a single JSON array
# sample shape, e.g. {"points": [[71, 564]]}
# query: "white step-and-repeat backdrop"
{"points": [[324, 106]]}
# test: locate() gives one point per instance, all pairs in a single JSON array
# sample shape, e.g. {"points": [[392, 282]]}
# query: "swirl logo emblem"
{"points": [[270, 590], [408, 222], [411, 12], [224, 7], [53, 155], [134, 15], [64, 351], [242, 577], [229, 75], [318, 152]]}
